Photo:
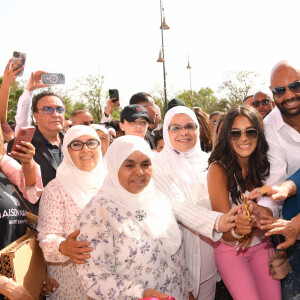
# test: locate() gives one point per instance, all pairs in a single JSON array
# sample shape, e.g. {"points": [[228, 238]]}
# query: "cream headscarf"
{"points": [[80, 185], [150, 208], [190, 164]]}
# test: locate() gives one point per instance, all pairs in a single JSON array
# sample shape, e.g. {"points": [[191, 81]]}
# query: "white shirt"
{"points": [[23, 110], [283, 154]]}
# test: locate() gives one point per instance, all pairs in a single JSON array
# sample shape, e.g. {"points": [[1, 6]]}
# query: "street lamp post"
{"points": [[161, 58], [189, 67]]}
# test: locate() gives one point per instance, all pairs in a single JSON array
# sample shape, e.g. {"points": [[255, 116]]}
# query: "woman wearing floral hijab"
{"points": [[78, 179], [136, 240], [179, 172]]}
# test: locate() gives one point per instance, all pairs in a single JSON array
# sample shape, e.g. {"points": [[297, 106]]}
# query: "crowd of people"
{"points": [[143, 207]]}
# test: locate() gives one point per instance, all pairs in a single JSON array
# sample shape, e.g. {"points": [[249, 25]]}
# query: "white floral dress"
{"points": [[57, 218], [126, 260]]}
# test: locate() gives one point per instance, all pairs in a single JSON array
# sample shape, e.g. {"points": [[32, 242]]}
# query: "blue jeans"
{"points": [[290, 285]]}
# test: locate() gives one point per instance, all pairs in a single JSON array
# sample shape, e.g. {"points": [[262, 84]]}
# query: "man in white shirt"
{"points": [[282, 130]]}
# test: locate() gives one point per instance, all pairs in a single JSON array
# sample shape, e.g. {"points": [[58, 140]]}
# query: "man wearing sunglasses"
{"points": [[49, 113], [282, 131], [263, 103]]}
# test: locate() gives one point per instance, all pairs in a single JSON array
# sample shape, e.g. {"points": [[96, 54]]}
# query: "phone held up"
{"points": [[114, 94], [53, 78], [24, 134], [21, 58]]}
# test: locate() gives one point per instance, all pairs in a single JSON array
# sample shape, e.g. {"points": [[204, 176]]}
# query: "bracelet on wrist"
{"points": [[217, 224], [292, 186], [235, 235]]}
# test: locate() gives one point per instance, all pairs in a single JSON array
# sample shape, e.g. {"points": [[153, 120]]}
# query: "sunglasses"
{"points": [[251, 134], [78, 145], [178, 128], [50, 110], [264, 102], [280, 91]]}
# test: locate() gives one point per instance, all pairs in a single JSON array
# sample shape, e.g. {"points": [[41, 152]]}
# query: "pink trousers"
{"points": [[246, 273]]}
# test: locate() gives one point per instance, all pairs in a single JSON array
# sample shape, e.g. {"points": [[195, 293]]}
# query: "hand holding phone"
{"points": [[114, 94], [24, 134], [53, 78], [21, 58]]}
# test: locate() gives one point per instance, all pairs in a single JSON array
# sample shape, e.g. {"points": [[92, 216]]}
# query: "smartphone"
{"points": [[24, 134], [113, 93], [21, 57], [53, 78]]}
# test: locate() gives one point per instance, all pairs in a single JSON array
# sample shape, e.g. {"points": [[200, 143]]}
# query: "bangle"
{"points": [[217, 223], [235, 235], [292, 186]]}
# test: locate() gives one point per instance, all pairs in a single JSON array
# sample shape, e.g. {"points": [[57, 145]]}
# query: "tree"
{"points": [[14, 94], [204, 98], [91, 90], [238, 85]]}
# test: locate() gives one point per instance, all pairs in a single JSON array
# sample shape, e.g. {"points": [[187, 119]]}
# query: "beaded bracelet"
{"points": [[292, 185], [217, 223], [235, 235]]}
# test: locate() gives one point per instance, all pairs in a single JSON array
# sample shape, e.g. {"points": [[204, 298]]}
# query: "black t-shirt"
{"points": [[13, 221]]}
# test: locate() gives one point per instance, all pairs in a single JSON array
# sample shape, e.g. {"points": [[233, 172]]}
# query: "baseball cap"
{"points": [[132, 112], [175, 102]]}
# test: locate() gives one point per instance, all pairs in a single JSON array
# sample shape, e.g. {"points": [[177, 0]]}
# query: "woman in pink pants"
{"points": [[238, 164]]}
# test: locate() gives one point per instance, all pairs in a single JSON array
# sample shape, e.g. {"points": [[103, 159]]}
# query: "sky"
{"points": [[121, 40]]}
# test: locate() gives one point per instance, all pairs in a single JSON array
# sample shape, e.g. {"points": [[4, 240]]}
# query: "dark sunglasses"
{"points": [[50, 110], [251, 134], [264, 102], [280, 91]]}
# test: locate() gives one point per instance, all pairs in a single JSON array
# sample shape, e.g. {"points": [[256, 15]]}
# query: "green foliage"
{"points": [[15, 92], [205, 98], [238, 85], [91, 87]]}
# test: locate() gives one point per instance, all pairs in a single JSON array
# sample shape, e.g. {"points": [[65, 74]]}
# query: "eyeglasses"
{"points": [[264, 102], [78, 145], [177, 128], [50, 110], [251, 134], [280, 91]]}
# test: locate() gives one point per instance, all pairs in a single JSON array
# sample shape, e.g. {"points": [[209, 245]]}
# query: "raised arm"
{"points": [[9, 78], [24, 103]]}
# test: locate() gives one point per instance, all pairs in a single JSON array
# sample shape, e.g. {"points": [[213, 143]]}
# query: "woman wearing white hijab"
{"points": [[179, 172], [136, 240], [78, 179], [104, 136]]}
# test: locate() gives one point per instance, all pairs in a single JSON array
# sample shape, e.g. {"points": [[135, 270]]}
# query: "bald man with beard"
{"points": [[282, 131], [263, 103]]}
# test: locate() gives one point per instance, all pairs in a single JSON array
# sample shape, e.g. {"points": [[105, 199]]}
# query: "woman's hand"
{"points": [[13, 290], [35, 81], [49, 286], [154, 294], [243, 224], [227, 221], [76, 250], [9, 75], [245, 242], [26, 158]]}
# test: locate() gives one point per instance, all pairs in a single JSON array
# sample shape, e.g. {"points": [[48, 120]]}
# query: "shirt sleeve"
{"points": [[23, 110], [105, 119], [14, 172], [51, 222], [98, 275]]}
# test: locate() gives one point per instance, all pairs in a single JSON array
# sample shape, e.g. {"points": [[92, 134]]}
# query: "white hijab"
{"points": [[102, 128], [190, 164], [80, 185], [156, 211]]}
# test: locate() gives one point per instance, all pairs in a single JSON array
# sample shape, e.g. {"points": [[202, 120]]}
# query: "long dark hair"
{"points": [[223, 153]]}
